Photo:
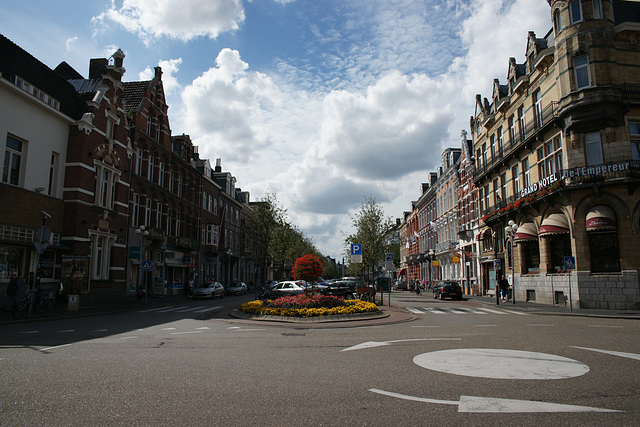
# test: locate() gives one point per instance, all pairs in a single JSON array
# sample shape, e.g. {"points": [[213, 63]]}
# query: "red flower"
{"points": [[308, 268]]}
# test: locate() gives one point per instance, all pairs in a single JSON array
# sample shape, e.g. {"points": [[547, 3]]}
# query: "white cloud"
{"points": [[176, 19], [170, 69]]}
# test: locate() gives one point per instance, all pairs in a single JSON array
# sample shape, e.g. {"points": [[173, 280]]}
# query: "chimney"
{"points": [[97, 67], [218, 165]]}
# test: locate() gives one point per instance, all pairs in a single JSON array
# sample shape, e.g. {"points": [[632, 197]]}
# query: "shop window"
{"points": [[531, 262], [605, 255], [559, 247]]}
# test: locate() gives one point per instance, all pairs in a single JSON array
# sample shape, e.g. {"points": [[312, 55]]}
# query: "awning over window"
{"points": [[484, 234], [554, 224], [402, 272], [600, 218], [526, 232]]}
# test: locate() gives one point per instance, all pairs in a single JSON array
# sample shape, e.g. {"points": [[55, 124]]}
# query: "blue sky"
{"points": [[322, 102]]}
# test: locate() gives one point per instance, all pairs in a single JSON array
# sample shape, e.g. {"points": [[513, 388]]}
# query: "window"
{"points": [[515, 178], [106, 178], [479, 158], [101, 244], [597, 9], [521, 122], [484, 155], [204, 200], [53, 173], [178, 223], [169, 222], [171, 181], [149, 126], [138, 166], [512, 130], [525, 173], [593, 147], [211, 234], [559, 247], [496, 191], [12, 161], [135, 208], [531, 256], [550, 157], [537, 108], [581, 69], [557, 22], [503, 182], [150, 169], [486, 197], [500, 142], [159, 212], [492, 147], [605, 253], [147, 212], [179, 183], [161, 174], [575, 9], [634, 132]]}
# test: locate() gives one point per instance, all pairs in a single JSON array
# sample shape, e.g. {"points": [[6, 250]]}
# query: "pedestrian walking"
{"points": [[417, 287], [504, 288]]}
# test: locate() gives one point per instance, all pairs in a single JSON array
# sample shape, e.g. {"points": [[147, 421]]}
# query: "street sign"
{"points": [[497, 265], [356, 253], [569, 263], [388, 257], [42, 239], [147, 265]]}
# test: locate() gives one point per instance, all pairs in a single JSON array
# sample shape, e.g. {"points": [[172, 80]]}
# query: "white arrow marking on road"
{"points": [[496, 405], [168, 329], [204, 327], [371, 344], [613, 353]]}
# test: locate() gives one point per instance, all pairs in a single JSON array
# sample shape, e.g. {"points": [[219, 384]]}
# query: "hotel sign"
{"points": [[539, 185]]}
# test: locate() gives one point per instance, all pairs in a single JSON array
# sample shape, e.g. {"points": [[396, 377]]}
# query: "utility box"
{"points": [[73, 303]]}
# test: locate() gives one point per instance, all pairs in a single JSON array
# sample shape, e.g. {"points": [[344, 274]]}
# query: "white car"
{"points": [[209, 290], [286, 288]]}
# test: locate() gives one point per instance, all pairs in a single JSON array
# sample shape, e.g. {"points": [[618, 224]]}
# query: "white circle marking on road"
{"points": [[501, 364]]}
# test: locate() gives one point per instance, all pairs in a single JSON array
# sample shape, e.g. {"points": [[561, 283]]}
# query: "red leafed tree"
{"points": [[308, 268]]}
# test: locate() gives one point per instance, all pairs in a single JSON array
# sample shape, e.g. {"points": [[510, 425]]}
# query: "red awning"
{"points": [[601, 218], [402, 272], [526, 232], [484, 234], [554, 224]]}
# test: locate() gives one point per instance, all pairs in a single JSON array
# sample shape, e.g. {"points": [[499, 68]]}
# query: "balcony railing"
{"points": [[531, 129]]}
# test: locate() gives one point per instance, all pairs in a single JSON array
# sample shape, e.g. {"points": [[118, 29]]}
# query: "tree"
{"points": [[265, 218], [308, 268], [372, 229]]}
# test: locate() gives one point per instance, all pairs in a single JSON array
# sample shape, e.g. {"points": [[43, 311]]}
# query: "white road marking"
{"points": [[203, 328], [129, 337], [372, 344], [187, 332], [100, 330], [29, 332], [167, 310], [501, 364], [66, 331], [168, 329], [456, 311], [52, 348], [414, 310], [474, 404], [491, 310], [519, 313], [613, 353]]}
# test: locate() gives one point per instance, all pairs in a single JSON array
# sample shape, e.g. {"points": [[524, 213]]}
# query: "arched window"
{"points": [[557, 22], [555, 228], [603, 239], [527, 235]]}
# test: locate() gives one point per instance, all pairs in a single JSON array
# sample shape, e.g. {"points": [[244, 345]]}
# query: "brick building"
{"points": [[557, 154]]}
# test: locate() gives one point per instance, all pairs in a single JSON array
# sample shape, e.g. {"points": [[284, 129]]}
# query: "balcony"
{"points": [[531, 129]]}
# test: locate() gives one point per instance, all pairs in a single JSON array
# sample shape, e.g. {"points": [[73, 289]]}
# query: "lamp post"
{"points": [[511, 229], [142, 232], [431, 255]]}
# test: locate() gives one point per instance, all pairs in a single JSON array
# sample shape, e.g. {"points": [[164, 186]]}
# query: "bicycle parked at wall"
{"points": [[45, 306]]}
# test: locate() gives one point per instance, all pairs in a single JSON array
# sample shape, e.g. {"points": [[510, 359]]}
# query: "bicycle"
{"points": [[45, 307]]}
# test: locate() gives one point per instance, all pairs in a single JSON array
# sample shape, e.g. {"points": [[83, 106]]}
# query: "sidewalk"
{"points": [[394, 314]]}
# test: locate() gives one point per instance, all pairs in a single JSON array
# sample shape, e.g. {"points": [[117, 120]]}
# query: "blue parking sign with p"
{"points": [[356, 249]]}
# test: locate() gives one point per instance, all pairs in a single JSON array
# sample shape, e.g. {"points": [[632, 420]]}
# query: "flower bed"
{"points": [[308, 306]]}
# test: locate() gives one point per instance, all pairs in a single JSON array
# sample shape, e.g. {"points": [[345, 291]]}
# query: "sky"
{"points": [[324, 103]]}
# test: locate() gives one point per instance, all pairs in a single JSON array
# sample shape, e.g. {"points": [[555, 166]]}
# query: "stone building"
{"points": [[557, 153]]}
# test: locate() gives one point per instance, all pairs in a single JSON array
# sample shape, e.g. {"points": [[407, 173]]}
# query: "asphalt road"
{"points": [[455, 363]]}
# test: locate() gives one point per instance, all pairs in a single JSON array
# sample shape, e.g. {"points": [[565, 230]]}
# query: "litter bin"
{"points": [[73, 303]]}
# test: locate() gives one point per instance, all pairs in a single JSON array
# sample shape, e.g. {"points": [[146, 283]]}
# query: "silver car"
{"points": [[286, 288], [237, 288], [209, 290]]}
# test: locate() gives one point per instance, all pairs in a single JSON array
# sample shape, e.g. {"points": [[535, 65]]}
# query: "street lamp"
{"points": [[511, 229], [140, 231], [431, 255]]}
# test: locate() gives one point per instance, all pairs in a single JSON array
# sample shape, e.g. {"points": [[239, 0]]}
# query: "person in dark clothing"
{"points": [[504, 289]]}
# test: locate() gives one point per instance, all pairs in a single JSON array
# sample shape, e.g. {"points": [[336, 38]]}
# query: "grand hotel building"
{"points": [[557, 151]]}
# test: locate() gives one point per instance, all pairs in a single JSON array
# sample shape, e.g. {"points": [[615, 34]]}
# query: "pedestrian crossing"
{"points": [[182, 309], [460, 311]]}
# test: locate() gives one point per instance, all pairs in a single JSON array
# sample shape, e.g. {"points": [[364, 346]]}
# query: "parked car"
{"points": [[447, 289], [209, 290], [316, 287], [340, 288], [399, 285], [237, 288], [285, 288]]}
